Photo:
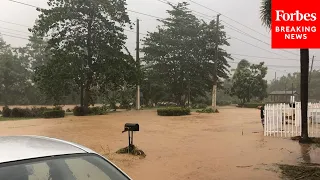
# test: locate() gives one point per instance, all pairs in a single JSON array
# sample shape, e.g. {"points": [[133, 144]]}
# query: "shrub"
{"points": [[6, 111], [97, 111], [199, 106], [173, 111], [224, 103], [80, 111], [252, 105], [57, 108], [54, 114], [38, 112], [208, 110], [68, 110], [19, 112]]}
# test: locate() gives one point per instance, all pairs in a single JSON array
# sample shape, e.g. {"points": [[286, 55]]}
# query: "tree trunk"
{"points": [[81, 96], [304, 68], [88, 71]]}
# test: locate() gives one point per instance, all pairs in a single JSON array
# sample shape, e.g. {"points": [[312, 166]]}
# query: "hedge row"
{"points": [[54, 114], [208, 110], [34, 112], [83, 111], [252, 105], [174, 111]]}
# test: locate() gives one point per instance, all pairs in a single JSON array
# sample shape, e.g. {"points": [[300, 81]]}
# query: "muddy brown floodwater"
{"points": [[228, 145]]}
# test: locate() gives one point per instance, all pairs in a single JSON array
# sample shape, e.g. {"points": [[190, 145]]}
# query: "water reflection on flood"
{"points": [[309, 154]]}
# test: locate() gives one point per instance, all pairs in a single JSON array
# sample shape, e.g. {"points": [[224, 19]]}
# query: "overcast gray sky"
{"points": [[245, 12]]}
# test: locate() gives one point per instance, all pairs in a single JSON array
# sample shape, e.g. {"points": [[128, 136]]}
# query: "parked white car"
{"points": [[44, 158]]}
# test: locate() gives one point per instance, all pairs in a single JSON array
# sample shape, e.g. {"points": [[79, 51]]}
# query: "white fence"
{"points": [[284, 121]]}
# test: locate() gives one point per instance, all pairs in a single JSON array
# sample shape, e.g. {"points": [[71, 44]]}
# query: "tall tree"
{"points": [[265, 14], [248, 81], [181, 53], [13, 75], [87, 46]]}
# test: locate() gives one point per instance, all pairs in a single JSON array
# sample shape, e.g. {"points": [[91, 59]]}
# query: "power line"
{"points": [[14, 23], [15, 30], [257, 46], [23, 3], [11, 33], [30, 5], [13, 36], [229, 18], [262, 57], [163, 1], [244, 33], [197, 12]]}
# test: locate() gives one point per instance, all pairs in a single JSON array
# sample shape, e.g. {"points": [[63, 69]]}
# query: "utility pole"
{"points": [[138, 66], [311, 68], [275, 76], [215, 75]]}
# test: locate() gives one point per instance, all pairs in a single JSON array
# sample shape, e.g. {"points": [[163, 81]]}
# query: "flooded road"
{"points": [[228, 145]]}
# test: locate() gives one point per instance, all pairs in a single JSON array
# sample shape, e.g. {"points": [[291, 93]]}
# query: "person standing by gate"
{"points": [[262, 115]]}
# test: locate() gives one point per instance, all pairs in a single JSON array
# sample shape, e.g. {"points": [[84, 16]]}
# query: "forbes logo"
{"points": [[297, 16]]}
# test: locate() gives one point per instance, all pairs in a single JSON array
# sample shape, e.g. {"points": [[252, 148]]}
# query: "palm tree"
{"points": [[265, 15]]}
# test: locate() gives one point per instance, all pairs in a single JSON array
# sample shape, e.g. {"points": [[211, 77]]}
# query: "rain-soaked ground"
{"points": [[228, 145]]}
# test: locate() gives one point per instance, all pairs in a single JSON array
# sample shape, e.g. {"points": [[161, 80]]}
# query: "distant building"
{"points": [[282, 96]]}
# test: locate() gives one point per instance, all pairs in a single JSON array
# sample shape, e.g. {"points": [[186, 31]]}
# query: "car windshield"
{"points": [[67, 167]]}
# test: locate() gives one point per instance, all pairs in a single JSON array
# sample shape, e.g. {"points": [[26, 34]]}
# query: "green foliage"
{"points": [[179, 57], [265, 13], [208, 110], [98, 110], [6, 111], [248, 81], [85, 111], [252, 105], [199, 106], [80, 111], [90, 58], [14, 75], [31, 113], [174, 111], [54, 114], [19, 112], [224, 103], [292, 82]]}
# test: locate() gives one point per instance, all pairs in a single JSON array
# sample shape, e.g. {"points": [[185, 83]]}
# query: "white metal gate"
{"points": [[284, 121]]}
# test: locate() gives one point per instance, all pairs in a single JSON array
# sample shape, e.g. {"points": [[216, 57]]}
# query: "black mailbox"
{"points": [[131, 127]]}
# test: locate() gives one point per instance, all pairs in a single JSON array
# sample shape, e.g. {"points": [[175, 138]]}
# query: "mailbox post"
{"points": [[130, 127]]}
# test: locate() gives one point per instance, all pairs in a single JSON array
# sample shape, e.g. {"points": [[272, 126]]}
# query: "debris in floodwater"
{"points": [[244, 166], [132, 149], [314, 140], [292, 172]]}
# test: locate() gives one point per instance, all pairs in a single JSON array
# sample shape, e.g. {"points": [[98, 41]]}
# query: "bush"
{"points": [[199, 106], [97, 111], [6, 111], [68, 110], [252, 105], [54, 114], [173, 111], [19, 112], [80, 111], [38, 112], [208, 110], [57, 108], [224, 103]]}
